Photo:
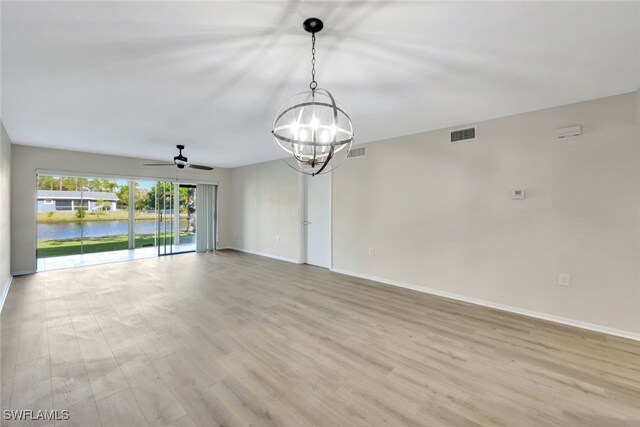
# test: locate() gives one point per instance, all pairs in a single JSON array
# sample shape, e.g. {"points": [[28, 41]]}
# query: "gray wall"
{"points": [[440, 216], [5, 208], [265, 205], [27, 159]]}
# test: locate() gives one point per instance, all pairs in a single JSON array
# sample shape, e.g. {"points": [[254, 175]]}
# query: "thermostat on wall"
{"points": [[519, 194]]}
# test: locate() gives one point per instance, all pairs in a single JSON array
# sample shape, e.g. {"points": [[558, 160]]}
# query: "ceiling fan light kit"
{"points": [[311, 127]]}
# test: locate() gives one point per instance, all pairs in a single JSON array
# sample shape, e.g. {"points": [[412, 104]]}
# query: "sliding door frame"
{"points": [[72, 174]]}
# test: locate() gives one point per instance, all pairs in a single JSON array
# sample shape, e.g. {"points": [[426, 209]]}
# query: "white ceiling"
{"points": [[136, 78]]}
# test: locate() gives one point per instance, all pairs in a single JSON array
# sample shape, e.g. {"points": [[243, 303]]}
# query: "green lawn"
{"points": [[53, 248]]}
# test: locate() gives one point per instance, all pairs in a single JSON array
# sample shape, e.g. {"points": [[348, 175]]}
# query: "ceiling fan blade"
{"points": [[159, 164], [204, 168]]}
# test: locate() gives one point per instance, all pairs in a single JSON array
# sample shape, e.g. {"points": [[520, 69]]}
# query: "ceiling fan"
{"points": [[181, 162]]}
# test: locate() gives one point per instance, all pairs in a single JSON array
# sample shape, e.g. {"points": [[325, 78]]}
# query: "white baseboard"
{"points": [[508, 308], [3, 297], [295, 261]]}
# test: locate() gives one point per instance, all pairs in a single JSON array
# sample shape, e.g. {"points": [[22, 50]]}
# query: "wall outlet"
{"points": [[278, 239], [564, 279], [372, 252]]}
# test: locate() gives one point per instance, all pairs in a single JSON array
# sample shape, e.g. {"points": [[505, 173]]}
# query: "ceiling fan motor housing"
{"points": [[180, 160]]}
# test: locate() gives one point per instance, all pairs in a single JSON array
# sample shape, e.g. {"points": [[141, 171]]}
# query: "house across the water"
{"points": [[61, 201]]}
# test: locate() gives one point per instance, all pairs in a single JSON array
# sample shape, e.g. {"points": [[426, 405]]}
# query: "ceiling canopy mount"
{"points": [[313, 25]]}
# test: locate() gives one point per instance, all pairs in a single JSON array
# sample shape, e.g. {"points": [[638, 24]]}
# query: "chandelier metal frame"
{"points": [[312, 144]]}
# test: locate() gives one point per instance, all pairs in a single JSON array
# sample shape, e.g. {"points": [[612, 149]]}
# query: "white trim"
{"points": [[175, 222], [7, 285], [302, 253], [72, 174], [215, 217], [303, 199], [131, 215], [502, 307], [331, 221], [292, 260]]}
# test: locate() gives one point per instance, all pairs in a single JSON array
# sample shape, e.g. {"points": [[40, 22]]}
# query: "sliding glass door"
{"points": [[77, 216], [185, 236], [87, 220], [143, 229], [175, 217], [164, 217]]}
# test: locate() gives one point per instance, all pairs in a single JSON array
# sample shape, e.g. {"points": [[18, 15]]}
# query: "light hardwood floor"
{"points": [[234, 339]]}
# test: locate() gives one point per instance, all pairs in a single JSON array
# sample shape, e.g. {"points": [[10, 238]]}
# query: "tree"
{"points": [[67, 183], [166, 189], [46, 182], [108, 186], [123, 195], [94, 185], [141, 202], [141, 199]]}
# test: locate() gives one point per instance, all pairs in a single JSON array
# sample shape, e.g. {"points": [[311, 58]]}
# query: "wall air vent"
{"points": [[466, 134], [357, 152]]}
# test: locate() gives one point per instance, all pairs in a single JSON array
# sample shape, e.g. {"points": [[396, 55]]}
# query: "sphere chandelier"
{"points": [[311, 127]]}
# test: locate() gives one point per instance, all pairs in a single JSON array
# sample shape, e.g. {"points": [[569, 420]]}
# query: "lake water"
{"points": [[73, 230]]}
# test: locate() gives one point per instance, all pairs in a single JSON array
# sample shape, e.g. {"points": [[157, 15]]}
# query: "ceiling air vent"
{"points": [[466, 134], [357, 152]]}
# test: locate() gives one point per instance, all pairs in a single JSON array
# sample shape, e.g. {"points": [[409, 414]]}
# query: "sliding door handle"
{"points": [[306, 222]]}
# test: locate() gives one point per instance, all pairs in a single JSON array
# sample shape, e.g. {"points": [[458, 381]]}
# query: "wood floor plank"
{"points": [[31, 389], [235, 339], [157, 401], [121, 409], [74, 394], [10, 338]]}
